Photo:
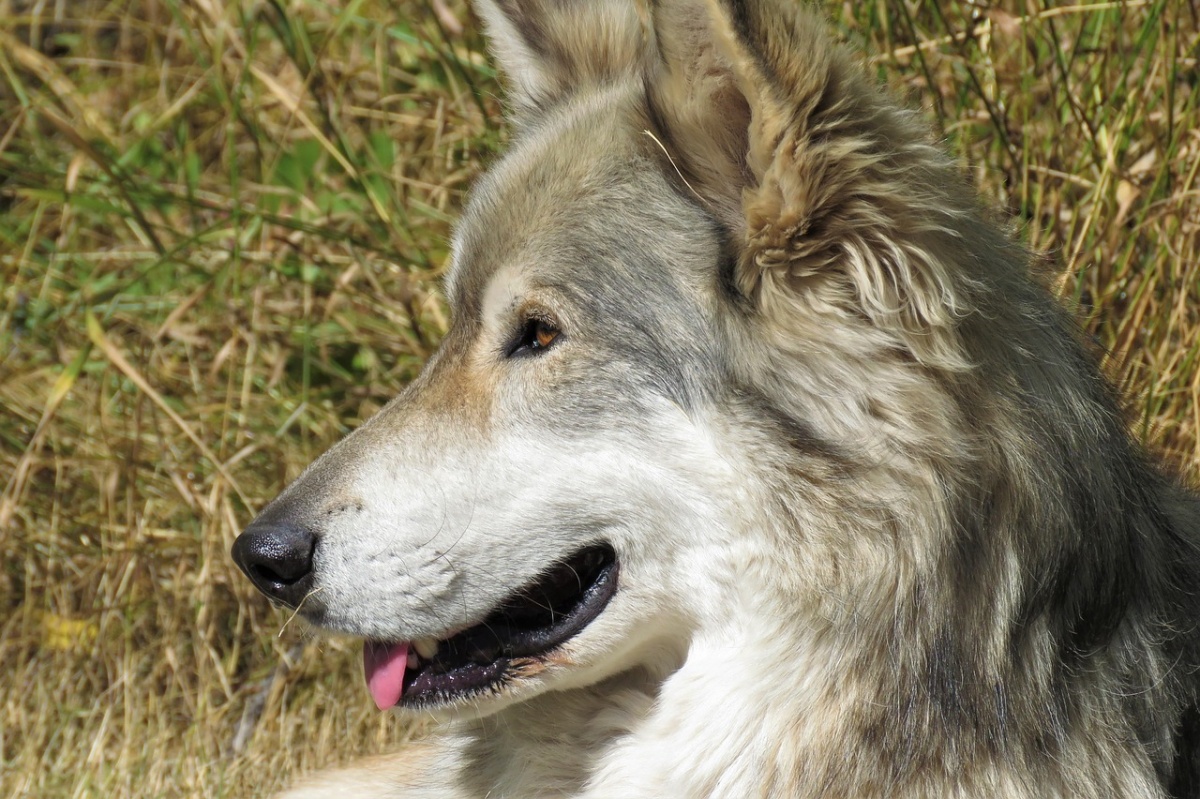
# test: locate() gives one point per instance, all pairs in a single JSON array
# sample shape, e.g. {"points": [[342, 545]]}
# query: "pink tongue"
{"points": [[384, 667]]}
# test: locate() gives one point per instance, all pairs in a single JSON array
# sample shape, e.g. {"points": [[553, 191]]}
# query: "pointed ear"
{"points": [[551, 48], [835, 195]]}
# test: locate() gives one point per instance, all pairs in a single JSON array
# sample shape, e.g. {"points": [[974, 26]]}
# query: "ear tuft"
{"points": [[550, 49], [841, 203]]}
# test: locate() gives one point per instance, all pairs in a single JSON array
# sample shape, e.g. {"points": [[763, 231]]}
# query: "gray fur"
{"points": [[836, 421]]}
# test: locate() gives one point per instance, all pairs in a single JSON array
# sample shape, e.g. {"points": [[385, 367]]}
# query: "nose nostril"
{"points": [[265, 575]]}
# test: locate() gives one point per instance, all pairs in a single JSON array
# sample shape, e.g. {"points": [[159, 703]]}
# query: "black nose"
{"points": [[278, 559]]}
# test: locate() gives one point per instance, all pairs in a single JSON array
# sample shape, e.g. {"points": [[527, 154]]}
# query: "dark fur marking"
{"points": [[1185, 780]]}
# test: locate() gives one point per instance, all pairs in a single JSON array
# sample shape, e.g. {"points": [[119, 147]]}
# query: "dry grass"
{"points": [[221, 226]]}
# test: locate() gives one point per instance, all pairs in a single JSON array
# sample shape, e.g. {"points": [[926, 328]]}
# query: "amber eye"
{"points": [[544, 334], [535, 335]]}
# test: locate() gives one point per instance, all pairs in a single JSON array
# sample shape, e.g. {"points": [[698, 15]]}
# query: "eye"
{"points": [[535, 335]]}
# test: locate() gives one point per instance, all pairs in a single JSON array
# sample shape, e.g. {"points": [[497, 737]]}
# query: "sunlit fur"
{"points": [[880, 527]]}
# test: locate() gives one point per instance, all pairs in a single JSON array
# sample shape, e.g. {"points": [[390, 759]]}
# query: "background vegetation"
{"points": [[221, 228]]}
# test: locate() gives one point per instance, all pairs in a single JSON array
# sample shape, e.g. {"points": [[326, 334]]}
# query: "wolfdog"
{"points": [[754, 462]]}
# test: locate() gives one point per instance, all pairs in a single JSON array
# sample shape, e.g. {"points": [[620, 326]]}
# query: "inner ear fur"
{"points": [[835, 196]]}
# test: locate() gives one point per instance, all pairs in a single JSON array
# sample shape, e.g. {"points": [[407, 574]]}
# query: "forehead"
{"points": [[580, 218], [560, 194]]}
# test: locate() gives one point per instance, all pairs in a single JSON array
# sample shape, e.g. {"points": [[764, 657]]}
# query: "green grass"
{"points": [[221, 230]]}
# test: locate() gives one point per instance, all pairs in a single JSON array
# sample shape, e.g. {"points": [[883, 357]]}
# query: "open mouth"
{"points": [[525, 627]]}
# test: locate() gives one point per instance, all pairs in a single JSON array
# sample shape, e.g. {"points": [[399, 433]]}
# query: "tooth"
{"points": [[426, 647], [412, 661]]}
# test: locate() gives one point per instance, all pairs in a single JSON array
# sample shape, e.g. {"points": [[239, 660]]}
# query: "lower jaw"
{"points": [[459, 671], [427, 692]]}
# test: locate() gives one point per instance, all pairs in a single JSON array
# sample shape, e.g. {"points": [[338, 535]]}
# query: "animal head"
{"points": [[713, 261]]}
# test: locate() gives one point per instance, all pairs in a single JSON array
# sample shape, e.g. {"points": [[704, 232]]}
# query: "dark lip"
{"points": [[523, 629]]}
